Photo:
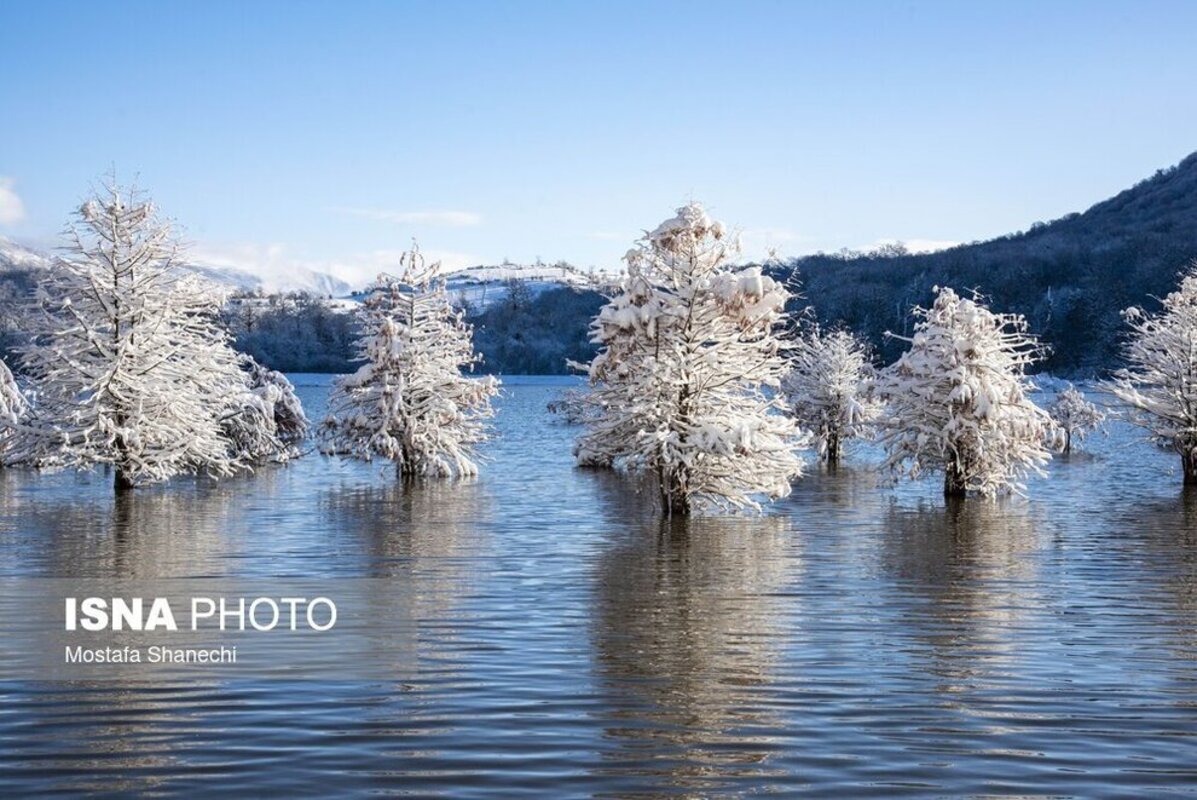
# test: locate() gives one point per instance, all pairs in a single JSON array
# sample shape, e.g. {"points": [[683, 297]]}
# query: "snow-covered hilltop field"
{"points": [[478, 287]]}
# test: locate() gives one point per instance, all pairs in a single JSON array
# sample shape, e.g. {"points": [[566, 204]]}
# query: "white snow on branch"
{"points": [[129, 363], [828, 388], [1159, 385], [958, 400], [685, 386], [410, 401]]}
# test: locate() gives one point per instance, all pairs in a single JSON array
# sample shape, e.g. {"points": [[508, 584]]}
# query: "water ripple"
{"points": [[859, 640]]}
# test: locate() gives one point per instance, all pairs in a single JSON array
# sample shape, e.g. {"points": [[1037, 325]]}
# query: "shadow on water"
{"points": [[387, 529], [425, 542]]}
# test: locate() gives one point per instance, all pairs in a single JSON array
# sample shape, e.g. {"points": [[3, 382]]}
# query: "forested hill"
{"points": [[1070, 277]]}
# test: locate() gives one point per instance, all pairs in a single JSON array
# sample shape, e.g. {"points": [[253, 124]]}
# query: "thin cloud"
{"points": [[445, 218], [12, 210]]}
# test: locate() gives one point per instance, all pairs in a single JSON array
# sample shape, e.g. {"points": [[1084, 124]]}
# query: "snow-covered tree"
{"points": [[129, 365], [13, 408], [264, 421], [681, 386], [410, 402], [1074, 416], [827, 388], [958, 399], [275, 389], [1160, 384]]}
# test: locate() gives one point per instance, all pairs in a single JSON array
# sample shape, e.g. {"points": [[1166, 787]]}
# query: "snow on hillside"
{"points": [[476, 286], [295, 279], [482, 285], [18, 257], [228, 276], [560, 273]]}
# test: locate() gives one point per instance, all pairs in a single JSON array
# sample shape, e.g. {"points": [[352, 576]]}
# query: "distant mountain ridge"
{"points": [[1071, 277], [476, 286], [18, 258], [15, 257]]}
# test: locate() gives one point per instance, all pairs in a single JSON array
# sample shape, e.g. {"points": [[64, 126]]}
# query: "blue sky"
{"points": [[328, 134]]}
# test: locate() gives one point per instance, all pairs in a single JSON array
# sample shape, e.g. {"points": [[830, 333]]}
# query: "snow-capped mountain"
{"points": [[478, 286], [16, 257], [308, 280], [228, 276], [297, 279]]}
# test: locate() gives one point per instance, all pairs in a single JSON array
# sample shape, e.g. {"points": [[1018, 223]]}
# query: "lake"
{"points": [[858, 639]]}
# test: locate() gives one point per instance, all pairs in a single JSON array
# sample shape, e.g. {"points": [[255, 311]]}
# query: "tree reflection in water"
{"points": [[686, 631], [129, 733], [193, 527], [967, 573], [1160, 535], [424, 537]]}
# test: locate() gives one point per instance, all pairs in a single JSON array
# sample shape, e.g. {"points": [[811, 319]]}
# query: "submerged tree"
{"points": [[130, 366], [827, 388], [1160, 384], [1074, 416], [958, 399], [679, 387], [265, 420], [410, 402], [573, 406]]}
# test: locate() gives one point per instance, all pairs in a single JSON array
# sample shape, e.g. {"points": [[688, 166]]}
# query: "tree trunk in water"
{"points": [[121, 482], [408, 471], [1067, 442], [673, 499], [663, 488], [1189, 461], [408, 464], [953, 482], [677, 505], [833, 451]]}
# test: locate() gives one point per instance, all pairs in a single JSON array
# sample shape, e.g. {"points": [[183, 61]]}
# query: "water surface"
{"points": [[857, 640]]}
